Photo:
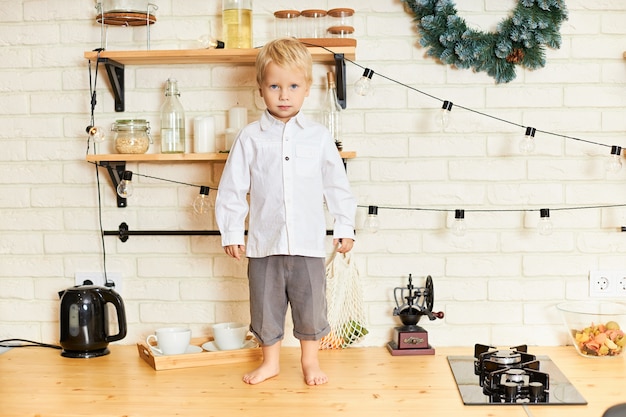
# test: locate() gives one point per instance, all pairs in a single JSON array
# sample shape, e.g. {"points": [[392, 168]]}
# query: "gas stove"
{"points": [[511, 377]]}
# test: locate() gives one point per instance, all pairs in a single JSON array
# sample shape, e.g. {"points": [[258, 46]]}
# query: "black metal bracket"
{"points": [[115, 71], [340, 79], [115, 170]]}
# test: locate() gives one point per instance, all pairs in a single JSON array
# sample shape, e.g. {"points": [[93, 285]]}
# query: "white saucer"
{"points": [[212, 347], [190, 349]]}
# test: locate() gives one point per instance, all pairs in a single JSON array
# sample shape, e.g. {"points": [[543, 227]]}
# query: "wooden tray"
{"points": [[192, 360]]}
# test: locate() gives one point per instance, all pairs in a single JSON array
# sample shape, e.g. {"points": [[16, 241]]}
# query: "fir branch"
{"points": [[519, 40]]}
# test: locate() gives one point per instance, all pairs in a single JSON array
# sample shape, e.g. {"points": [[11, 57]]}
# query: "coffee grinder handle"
{"points": [[110, 296]]}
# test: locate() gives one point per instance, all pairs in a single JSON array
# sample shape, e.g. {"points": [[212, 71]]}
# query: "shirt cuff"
{"points": [[343, 231], [233, 238]]}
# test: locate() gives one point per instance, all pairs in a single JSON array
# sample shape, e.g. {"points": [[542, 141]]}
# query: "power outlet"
{"points": [[607, 284], [114, 279]]}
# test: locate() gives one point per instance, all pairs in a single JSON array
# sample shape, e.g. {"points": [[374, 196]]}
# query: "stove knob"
{"points": [[510, 391], [536, 391]]}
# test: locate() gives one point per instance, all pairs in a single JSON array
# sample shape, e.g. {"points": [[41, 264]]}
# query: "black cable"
{"points": [[26, 343], [443, 210], [459, 106], [93, 102]]}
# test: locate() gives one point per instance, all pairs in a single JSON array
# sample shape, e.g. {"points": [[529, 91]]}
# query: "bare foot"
{"points": [[260, 374], [313, 375], [268, 369]]}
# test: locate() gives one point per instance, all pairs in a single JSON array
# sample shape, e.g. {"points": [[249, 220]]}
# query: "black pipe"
{"points": [[124, 233]]}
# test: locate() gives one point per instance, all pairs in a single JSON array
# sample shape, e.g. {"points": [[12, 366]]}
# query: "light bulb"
{"points": [[459, 227], [209, 42], [443, 117], [96, 134], [527, 144], [545, 224], [614, 163], [201, 204], [372, 224], [125, 187], [363, 86]]}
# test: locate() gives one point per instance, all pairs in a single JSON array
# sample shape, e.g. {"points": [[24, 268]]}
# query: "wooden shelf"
{"points": [[232, 56], [176, 157]]}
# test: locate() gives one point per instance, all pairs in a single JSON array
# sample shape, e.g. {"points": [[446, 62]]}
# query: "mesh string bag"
{"points": [[344, 296]]}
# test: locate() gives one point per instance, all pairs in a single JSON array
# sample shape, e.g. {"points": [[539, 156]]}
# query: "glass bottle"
{"points": [[172, 120], [332, 111], [237, 23]]}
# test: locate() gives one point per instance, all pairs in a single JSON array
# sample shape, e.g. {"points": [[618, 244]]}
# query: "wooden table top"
{"points": [[363, 382]]}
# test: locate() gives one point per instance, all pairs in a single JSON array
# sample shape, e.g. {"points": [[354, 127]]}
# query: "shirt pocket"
{"points": [[307, 161]]}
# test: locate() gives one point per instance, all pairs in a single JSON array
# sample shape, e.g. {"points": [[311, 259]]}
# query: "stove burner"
{"points": [[510, 376]]}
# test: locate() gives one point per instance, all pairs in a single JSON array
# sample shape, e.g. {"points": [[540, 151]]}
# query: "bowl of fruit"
{"points": [[596, 328]]}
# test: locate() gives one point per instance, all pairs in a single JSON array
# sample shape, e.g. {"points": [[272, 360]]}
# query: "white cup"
{"points": [[170, 340], [229, 336]]}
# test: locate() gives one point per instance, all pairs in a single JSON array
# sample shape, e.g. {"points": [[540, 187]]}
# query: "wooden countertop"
{"points": [[363, 382]]}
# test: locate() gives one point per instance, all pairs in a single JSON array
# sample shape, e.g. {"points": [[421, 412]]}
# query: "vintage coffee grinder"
{"points": [[411, 304]]}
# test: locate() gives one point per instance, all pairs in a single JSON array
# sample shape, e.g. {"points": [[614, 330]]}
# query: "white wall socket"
{"points": [[98, 279], [610, 284]]}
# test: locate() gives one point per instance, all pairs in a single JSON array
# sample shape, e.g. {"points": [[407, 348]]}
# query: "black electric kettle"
{"points": [[84, 320]]}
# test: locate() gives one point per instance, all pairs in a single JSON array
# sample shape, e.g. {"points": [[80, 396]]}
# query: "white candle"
{"points": [[204, 134], [237, 118], [230, 135]]}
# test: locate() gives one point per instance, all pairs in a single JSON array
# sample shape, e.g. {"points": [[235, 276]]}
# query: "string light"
{"points": [[96, 134], [545, 224], [443, 117], [527, 144], [125, 187], [209, 42], [614, 163], [372, 224], [201, 204], [363, 86], [459, 227], [443, 121]]}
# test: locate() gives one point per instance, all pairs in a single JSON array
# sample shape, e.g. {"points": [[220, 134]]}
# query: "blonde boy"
{"points": [[289, 166]]}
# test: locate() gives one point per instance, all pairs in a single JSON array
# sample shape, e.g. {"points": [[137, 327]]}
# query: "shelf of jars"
{"points": [[115, 164], [323, 50]]}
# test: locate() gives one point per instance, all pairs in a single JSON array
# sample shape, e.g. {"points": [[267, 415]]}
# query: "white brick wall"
{"points": [[498, 284]]}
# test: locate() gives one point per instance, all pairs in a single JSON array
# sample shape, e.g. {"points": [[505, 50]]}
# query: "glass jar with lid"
{"points": [[286, 23], [341, 17], [313, 23], [340, 32], [131, 136]]}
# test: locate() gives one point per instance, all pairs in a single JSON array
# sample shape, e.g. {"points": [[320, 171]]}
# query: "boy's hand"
{"points": [[235, 251], [345, 244]]}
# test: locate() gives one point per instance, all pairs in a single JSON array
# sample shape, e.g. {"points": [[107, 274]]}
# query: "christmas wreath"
{"points": [[518, 40]]}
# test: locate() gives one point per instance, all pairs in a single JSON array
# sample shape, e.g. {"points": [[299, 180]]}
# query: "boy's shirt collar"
{"points": [[267, 120]]}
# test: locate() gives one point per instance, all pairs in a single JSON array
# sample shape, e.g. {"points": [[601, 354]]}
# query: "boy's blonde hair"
{"points": [[286, 53]]}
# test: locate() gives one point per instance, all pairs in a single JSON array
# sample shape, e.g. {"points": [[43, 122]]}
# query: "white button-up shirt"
{"points": [[289, 171]]}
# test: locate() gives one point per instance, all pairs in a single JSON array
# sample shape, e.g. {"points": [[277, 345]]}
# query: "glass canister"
{"points": [[341, 32], [237, 23], [131, 135], [340, 17], [286, 23], [313, 23]]}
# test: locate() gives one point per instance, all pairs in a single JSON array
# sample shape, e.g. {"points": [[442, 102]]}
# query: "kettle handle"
{"points": [[110, 296]]}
